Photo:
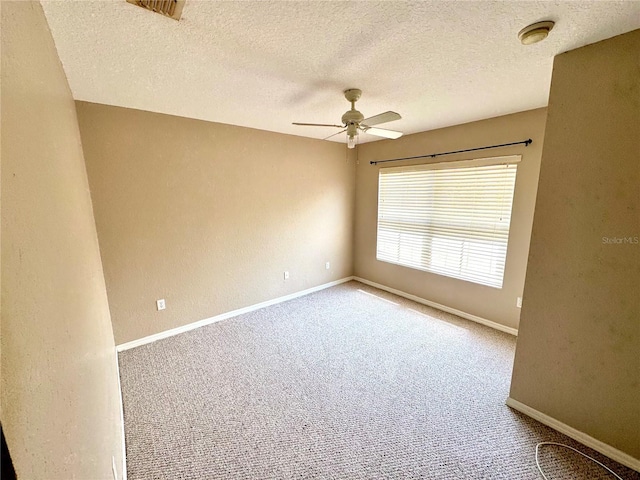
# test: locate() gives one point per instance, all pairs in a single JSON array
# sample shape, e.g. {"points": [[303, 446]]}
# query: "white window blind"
{"points": [[450, 218]]}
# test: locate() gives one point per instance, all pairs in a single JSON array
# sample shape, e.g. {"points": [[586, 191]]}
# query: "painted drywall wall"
{"points": [[577, 353], [60, 397], [210, 216], [496, 305]]}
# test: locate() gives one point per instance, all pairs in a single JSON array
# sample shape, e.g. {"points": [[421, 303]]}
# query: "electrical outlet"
{"points": [[161, 304], [519, 302], [327, 265], [286, 275]]}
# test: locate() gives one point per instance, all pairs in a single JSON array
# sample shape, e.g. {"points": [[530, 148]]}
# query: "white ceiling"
{"points": [[265, 64]]}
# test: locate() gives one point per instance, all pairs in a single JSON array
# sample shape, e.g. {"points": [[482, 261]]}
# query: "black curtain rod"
{"points": [[434, 155]]}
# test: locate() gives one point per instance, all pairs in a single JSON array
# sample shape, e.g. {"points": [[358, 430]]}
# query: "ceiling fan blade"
{"points": [[380, 118], [341, 131], [381, 132], [317, 124]]}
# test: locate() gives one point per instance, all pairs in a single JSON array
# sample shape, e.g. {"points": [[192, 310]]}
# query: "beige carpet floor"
{"points": [[346, 383]]}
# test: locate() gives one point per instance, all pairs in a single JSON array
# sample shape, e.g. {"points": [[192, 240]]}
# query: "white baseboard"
{"points": [[124, 448], [224, 316], [587, 440], [444, 308]]}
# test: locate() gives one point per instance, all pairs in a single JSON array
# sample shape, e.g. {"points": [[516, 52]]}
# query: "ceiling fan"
{"points": [[353, 121]]}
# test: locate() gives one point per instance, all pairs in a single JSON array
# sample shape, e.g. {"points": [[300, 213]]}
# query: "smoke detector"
{"points": [[168, 8], [536, 32]]}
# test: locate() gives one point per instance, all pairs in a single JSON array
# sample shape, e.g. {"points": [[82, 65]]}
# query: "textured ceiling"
{"points": [[265, 64]]}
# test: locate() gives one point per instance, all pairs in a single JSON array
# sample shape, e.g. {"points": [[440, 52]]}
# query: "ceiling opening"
{"points": [[168, 8]]}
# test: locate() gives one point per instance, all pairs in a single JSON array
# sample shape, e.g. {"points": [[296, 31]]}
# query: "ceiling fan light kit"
{"points": [[352, 135], [354, 122]]}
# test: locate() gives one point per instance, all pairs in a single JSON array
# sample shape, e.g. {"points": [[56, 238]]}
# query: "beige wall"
{"points": [[60, 399], [577, 357], [209, 216], [497, 305]]}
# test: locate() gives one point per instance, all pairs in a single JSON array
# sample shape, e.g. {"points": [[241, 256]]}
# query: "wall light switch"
{"points": [[286, 275], [161, 304], [327, 265], [519, 302]]}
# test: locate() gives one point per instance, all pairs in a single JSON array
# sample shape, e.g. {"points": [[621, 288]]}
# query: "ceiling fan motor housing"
{"points": [[352, 117]]}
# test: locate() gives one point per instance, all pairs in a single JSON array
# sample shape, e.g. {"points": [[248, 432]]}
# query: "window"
{"points": [[449, 218]]}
